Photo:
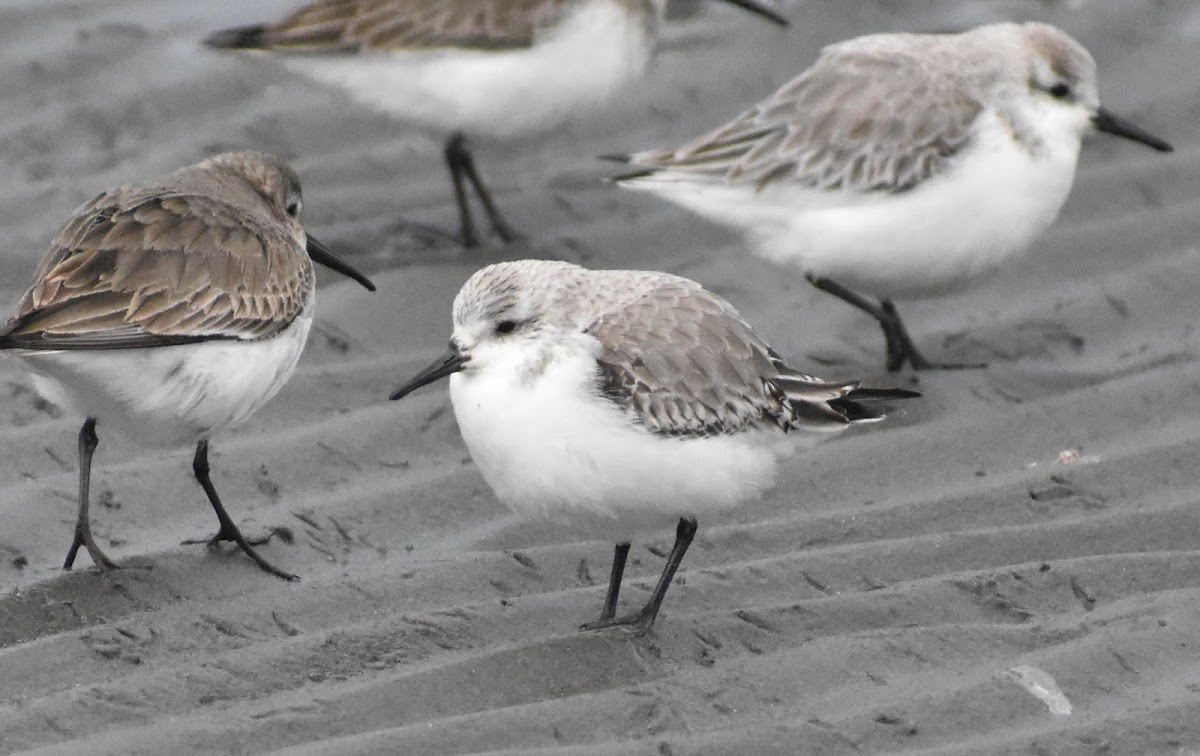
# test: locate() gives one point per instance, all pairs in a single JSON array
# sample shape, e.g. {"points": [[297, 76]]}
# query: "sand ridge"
{"points": [[878, 600]]}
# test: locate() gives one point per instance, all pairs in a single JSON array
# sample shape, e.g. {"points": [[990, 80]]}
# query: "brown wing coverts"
{"points": [[159, 269], [685, 364], [839, 125], [354, 25]]}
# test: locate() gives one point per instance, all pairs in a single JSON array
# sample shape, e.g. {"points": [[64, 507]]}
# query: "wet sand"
{"points": [[1037, 520]]}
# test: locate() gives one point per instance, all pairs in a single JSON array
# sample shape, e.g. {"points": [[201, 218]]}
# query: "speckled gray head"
{"points": [[1006, 60], [530, 296], [1042, 59], [525, 300]]}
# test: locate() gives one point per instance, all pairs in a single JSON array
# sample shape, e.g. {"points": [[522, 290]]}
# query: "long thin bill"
{"points": [[322, 254], [760, 9], [451, 362], [1106, 121]]}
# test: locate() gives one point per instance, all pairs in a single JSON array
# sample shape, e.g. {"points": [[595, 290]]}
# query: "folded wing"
{"points": [[684, 363], [136, 268], [859, 119], [361, 25]]}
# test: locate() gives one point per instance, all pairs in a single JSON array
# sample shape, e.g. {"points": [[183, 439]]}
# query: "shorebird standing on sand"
{"points": [[171, 310], [622, 402], [493, 68], [900, 165]]}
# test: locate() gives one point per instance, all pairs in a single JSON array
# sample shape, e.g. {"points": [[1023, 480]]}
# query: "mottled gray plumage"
{"points": [[872, 114], [678, 358], [682, 361]]}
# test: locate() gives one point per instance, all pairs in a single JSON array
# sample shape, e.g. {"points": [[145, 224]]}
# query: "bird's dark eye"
{"points": [[293, 209], [506, 327], [1060, 91]]}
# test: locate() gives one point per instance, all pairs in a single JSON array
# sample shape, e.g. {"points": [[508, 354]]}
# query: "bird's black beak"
{"points": [[1105, 121], [760, 9], [321, 254], [450, 362]]}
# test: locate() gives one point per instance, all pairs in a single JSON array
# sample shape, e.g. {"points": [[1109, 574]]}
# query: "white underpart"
{"points": [[551, 446], [577, 66], [171, 395], [944, 235]]}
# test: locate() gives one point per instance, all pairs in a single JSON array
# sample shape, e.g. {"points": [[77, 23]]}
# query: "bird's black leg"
{"points": [[88, 440], [460, 155], [900, 346], [643, 620], [620, 555], [454, 151], [228, 531]]}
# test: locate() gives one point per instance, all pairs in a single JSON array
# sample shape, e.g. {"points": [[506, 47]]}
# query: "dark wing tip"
{"points": [[131, 339], [852, 408], [853, 412], [9, 339], [238, 38], [617, 157], [882, 394], [634, 175]]}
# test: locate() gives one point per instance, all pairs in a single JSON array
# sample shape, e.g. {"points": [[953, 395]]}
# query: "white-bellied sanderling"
{"points": [[171, 310], [621, 402], [494, 68], [900, 165]]}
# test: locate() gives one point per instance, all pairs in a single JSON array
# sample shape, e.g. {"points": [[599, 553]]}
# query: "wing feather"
{"points": [[138, 268], [685, 363], [863, 118], [360, 25]]}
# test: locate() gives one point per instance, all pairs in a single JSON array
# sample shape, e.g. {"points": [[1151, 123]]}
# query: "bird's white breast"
{"points": [[580, 64], [945, 234], [551, 446], [171, 395]]}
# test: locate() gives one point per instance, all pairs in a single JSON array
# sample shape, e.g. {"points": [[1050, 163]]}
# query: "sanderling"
{"points": [[495, 68], [171, 310], [622, 401], [900, 165]]}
